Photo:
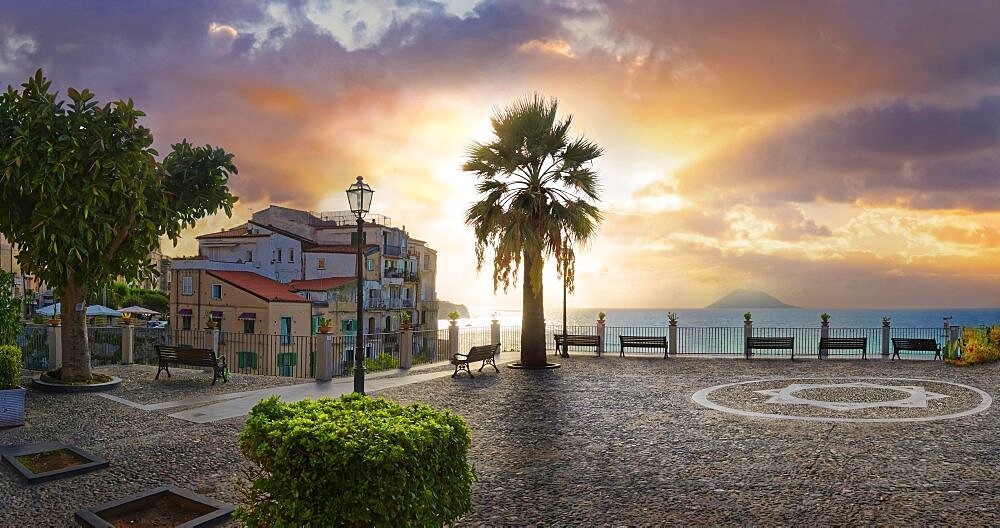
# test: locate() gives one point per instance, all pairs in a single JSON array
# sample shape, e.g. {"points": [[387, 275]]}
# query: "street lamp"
{"points": [[359, 197]]}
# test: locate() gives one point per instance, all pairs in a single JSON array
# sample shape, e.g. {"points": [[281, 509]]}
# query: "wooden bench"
{"points": [[914, 345], [844, 343], [577, 340], [196, 357], [485, 353], [770, 343], [642, 342]]}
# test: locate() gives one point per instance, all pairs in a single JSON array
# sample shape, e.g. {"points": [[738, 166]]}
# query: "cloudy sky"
{"points": [[835, 154]]}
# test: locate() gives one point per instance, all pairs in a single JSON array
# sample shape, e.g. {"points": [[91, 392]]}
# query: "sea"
{"points": [[762, 317]]}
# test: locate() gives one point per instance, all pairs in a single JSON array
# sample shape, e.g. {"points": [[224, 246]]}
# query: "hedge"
{"points": [[355, 461]]}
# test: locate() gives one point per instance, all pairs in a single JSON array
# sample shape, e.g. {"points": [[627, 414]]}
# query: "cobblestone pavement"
{"points": [[619, 442], [598, 442]]}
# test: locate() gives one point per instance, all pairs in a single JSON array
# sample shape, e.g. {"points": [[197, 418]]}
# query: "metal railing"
{"points": [[105, 345], [34, 344]]}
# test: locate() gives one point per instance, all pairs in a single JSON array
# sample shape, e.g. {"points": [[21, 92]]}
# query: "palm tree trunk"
{"points": [[533, 312], [76, 351]]}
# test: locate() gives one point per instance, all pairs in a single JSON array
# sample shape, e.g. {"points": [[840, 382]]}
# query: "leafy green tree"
{"points": [[10, 310], [86, 200], [537, 184]]}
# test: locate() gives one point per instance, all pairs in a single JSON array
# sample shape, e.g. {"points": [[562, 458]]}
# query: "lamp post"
{"points": [[359, 197]]}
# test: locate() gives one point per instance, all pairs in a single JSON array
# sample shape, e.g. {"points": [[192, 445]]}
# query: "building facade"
{"points": [[314, 256]]}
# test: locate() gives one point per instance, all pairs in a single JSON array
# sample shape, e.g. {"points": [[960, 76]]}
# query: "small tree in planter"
{"points": [[11, 393], [672, 318], [453, 317], [824, 318], [325, 325], [747, 317], [600, 317], [886, 320], [404, 320]]}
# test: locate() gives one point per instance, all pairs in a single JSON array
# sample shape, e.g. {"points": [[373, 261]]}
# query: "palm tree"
{"points": [[535, 183]]}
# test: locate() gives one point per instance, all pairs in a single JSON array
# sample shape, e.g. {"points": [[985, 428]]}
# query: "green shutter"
{"points": [[286, 363], [246, 360], [315, 324]]}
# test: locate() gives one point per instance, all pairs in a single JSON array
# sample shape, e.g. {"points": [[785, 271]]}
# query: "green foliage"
{"points": [[355, 461], [747, 317], [886, 320], [324, 321], [453, 315], [979, 345], [382, 362], [950, 351], [10, 367], [536, 182], [672, 317], [37, 319], [10, 311], [404, 317], [600, 316], [825, 317]]}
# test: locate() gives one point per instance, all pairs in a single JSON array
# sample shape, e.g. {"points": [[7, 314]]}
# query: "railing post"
{"points": [[747, 334], [453, 339], [494, 332], [601, 332], [215, 334], [128, 344], [672, 337], [55, 347], [885, 339], [406, 348], [824, 333], [324, 362]]}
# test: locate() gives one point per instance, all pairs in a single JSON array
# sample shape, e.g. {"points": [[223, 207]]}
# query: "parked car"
{"points": [[156, 324]]}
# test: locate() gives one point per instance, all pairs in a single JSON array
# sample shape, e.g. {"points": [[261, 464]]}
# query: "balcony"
{"points": [[393, 273], [407, 303], [411, 277], [392, 251]]}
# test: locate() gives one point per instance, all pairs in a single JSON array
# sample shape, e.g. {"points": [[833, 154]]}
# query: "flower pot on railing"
{"points": [[325, 329], [53, 322], [210, 325]]}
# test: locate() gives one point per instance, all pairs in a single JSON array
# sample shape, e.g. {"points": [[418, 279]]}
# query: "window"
{"points": [[371, 265], [427, 262], [216, 291], [187, 285], [248, 326], [388, 264], [291, 255], [321, 263], [279, 255], [286, 330], [249, 256], [185, 322]]}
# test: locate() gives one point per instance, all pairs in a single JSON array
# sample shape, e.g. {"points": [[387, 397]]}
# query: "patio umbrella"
{"points": [[102, 310], [49, 310], [139, 310]]}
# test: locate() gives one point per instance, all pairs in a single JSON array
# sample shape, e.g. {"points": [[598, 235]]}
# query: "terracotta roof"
{"points": [[343, 248], [320, 284], [258, 285], [238, 231]]}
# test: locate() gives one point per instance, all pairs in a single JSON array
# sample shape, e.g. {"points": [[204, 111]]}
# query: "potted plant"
{"points": [[126, 319], [11, 393], [54, 320], [210, 322], [325, 325], [600, 317], [747, 317], [404, 320], [672, 318], [886, 320], [824, 318], [453, 317]]}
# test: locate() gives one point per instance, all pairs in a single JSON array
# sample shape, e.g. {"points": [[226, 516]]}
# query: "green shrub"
{"points": [[10, 310], [10, 367], [355, 461]]}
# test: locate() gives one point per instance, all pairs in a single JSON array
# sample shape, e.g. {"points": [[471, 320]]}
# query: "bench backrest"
{"points": [[577, 340], [771, 342], [901, 343], [199, 357], [642, 341], [479, 353], [843, 342]]}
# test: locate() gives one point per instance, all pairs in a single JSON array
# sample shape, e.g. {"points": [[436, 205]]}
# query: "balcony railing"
{"points": [[393, 273], [392, 251]]}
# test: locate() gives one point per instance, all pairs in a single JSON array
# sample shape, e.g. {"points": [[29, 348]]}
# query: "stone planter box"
{"points": [[90, 461], [185, 508], [12, 407]]}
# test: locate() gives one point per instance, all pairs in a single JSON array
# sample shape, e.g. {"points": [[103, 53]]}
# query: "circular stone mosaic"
{"points": [[846, 399]]}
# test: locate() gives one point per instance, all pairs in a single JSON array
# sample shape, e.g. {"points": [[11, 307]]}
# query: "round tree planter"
{"points": [[547, 366], [49, 386], [34, 466], [166, 504]]}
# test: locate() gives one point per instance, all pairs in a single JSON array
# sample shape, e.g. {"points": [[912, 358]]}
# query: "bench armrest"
{"points": [[460, 357]]}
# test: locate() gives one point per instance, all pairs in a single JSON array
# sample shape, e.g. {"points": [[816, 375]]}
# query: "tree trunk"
{"points": [[76, 351], [533, 312]]}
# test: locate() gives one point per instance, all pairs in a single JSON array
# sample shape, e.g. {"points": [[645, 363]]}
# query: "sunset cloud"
{"points": [[822, 151]]}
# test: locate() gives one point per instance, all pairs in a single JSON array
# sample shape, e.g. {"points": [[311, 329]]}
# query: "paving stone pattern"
{"points": [[601, 441]]}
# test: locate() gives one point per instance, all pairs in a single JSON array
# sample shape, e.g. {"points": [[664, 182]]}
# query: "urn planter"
{"points": [[12, 407]]}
